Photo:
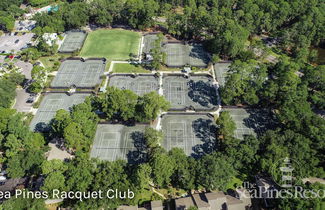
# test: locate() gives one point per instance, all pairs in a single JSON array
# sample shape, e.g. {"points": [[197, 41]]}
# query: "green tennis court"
{"points": [[221, 71], [179, 55], [116, 44], [51, 103], [79, 73], [194, 133], [196, 92], [251, 121], [139, 84], [73, 41], [114, 142]]}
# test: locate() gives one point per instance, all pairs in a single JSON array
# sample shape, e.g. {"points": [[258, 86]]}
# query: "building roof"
{"points": [[184, 203], [127, 208], [156, 205], [200, 200], [214, 195], [217, 200], [11, 184], [244, 196], [234, 203]]}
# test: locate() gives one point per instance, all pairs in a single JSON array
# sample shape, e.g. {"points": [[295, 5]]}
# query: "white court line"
{"points": [[183, 132], [140, 49], [114, 151], [101, 142]]}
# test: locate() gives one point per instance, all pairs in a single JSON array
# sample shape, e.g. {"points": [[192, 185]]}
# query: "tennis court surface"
{"points": [[72, 42], [114, 142], [195, 133], [51, 103], [221, 70], [140, 84], [148, 42], [195, 92], [81, 74], [179, 55], [251, 121]]}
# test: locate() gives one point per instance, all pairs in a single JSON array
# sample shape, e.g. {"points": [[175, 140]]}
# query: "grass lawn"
{"points": [[114, 44], [48, 61], [128, 68]]}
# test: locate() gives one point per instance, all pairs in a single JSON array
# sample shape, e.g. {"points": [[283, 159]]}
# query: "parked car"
{"points": [[37, 63], [30, 100]]}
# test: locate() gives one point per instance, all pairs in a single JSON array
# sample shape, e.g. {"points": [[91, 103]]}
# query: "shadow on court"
{"points": [[205, 130], [202, 92], [199, 53], [139, 154], [259, 120], [41, 127]]}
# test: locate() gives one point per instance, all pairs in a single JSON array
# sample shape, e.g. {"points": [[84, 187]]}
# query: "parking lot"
{"points": [[24, 25], [21, 104], [15, 43]]}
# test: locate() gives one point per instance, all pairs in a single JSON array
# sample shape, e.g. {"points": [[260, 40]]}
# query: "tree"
{"points": [[153, 137], [110, 175], [183, 176], [25, 163], [230, 41], [60, 121], [162, 168], [315, 78], [120, 104], [243, 154], [243, 83], [75, 15], [54, 180], [79, 128], [73, 136], [23, 203], [38, 73], [226, 125], [35, 87], [7, 23], [51, 166], [149, 106], [158, 55], [7, 92], [316, 203], [214, 172], [79, 175], [143, 176], [30, 54]]}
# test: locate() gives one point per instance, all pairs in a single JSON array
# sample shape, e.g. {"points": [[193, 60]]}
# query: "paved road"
{"points": [[26, 68], [21, 98], [22, 95]]}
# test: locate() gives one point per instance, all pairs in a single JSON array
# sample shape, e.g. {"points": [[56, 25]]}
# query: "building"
{"points": [[153, 205], [213, 201], [184, 203], [50, 38]]}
